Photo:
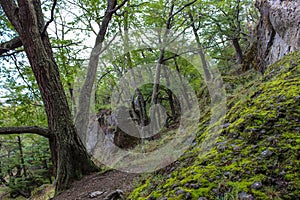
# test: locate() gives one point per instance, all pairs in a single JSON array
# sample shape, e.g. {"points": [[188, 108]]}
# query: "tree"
{"points": [[224, 28], [69, 155], [82, 116]]}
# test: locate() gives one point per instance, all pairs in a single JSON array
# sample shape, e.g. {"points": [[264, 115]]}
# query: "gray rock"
{"points": [[282, 173], [225, 125], [115, 195], [266, 153], [179, 192], [222, 146], [257, 185], [279, 31], [174, 185], [188, 196], [227, 174], [215, 190], [236, 148], [281, 183], [245, 196], [195, 185], [95, 194], [163, 198], [202, 198]]}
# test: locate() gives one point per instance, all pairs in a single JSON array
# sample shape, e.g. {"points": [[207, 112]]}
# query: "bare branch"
{"points": [[51, 19], [10, 45], [25, 129], [118, 7], [23, 78], [183, 7], [11, 54], [109, 43]]}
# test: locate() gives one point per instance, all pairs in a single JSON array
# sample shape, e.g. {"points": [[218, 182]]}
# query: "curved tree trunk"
{"points": [[82, 117], [66, 147]]}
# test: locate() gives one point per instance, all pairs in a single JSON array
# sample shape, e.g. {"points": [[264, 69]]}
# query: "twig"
{"points": [[51, 19]]}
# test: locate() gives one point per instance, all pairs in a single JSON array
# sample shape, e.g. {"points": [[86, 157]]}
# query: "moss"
{"points": [[261, 144], [139, 191], [43, 192]]}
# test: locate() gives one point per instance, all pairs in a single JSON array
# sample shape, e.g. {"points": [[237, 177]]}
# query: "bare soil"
{"points": [[107, 183]]}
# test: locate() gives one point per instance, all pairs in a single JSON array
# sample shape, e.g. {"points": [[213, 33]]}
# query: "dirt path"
{"points": [[105, 183]]}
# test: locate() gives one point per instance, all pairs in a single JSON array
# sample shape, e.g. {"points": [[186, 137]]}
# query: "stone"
{"points": [[227, 174], [266, 153], [115, 195], [188, 196], [225, 125], [282, 173], [163, 198], [95, 194], [195, 185], [245, 196], [125, 141], [202, 198], [179, 192], [278, 30], [256, 186]]}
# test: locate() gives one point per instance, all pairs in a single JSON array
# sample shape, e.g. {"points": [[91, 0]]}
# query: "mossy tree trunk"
{"points": [[69, 154]]}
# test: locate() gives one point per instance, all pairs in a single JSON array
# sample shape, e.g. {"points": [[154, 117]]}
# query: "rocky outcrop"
{"points": [[278, 30]]}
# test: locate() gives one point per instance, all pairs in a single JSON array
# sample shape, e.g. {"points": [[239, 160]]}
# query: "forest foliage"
{"points": [[223, 31]]}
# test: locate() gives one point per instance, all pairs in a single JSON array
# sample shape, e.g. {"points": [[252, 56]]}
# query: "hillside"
{"points": [[149, 100], [257, 155]]}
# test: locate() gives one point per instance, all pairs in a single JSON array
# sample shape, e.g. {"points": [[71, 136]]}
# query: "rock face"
{"points": [[103, 130], [278, 30]]}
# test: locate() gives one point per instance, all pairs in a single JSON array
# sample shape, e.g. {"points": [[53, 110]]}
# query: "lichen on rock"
{"points": [[278, 31]]}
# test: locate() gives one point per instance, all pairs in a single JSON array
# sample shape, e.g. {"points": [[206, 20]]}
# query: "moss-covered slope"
{"points": [[257, 155]]}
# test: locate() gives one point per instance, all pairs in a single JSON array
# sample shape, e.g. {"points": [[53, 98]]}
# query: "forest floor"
{"points": [[102, 185]]}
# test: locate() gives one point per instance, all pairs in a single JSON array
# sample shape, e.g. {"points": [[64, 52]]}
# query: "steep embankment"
{"points": [[257, 155]]}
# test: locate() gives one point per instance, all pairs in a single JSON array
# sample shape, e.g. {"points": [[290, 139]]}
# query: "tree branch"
{"points": [[23, 78], [183, 7], [10, 45], [118, 7], [11, 54], [25, 129], [51, 19]]}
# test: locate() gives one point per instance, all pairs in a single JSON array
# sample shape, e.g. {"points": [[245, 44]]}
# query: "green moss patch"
{"points": [[257, 154]]}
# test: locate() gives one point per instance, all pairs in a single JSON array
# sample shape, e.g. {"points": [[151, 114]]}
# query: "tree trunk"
{"points": [[170, 96], [238, 50], [207, 75], [160, 61], [66, 147], [82, 117], [141, 103]]}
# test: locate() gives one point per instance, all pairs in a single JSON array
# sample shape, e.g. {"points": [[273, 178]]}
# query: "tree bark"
{"points": [[66, 147], [25, 129], [238, 50], [10, 45]]}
